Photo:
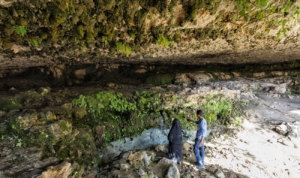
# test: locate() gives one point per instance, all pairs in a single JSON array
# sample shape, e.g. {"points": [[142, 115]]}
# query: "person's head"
{"points": [[199, 114], [176, 122]]}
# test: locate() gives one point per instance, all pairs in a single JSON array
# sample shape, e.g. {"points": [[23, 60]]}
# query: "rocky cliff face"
{"points": [[43, 134], [169, 31], [211, 48]]}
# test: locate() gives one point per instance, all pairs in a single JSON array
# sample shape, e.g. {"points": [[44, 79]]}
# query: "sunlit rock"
{"points": [[62, 170]]}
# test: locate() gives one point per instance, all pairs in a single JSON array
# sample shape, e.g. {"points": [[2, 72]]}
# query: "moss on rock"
{"points": [[89, 21], [9, 104]]}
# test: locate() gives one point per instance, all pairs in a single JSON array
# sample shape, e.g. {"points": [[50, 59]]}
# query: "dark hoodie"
{"points": [[175, 141]]}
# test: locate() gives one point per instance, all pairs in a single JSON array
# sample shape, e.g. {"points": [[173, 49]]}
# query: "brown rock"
{"points": [[161, 148], [140, 158], [60, 171], [186, 146], [80, 74], [162, 167]]}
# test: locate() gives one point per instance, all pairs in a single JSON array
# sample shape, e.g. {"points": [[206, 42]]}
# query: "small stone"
{"points": [[67, 106], [50, 116], [147, 158], [292, 130], [281, 129], [173, 172], [44, 90], [161, 148], [12, 90], [186, 146], [220, 174], [125, 155], [211, 169], [141, 172], [140, 158], [124, 166]]}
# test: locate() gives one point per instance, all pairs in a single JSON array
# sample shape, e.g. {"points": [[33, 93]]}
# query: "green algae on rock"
{"points": [[69, 25]]}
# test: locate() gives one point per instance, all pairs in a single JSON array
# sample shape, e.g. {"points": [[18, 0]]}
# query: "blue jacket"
{"points": [[201, 129]]}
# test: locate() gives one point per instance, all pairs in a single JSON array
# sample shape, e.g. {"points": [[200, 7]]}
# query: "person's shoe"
{"points": [[200, 166]]}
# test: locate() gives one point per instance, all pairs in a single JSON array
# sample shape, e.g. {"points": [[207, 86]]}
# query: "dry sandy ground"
{"points": [[257, 150]]}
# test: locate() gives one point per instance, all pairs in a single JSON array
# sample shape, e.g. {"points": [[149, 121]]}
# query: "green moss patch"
{"points": [[9, 104], [74, 24], [107, 111]]}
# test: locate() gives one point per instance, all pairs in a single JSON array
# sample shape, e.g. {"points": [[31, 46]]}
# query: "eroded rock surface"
{"points": [[271, 118], [166, 32]]}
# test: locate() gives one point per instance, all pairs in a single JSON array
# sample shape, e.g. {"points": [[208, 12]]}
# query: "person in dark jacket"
{"points": [[175, 142]]}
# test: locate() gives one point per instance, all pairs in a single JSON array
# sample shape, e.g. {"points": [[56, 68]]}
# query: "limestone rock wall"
{"points": [[193, 31]]}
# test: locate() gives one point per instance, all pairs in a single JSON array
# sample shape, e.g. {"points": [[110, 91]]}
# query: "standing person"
{"points": [[199, 141], [175, 142]]}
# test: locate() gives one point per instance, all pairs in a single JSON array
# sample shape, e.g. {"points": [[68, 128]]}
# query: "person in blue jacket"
{"points": [[199, 141], [175, 142]]}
